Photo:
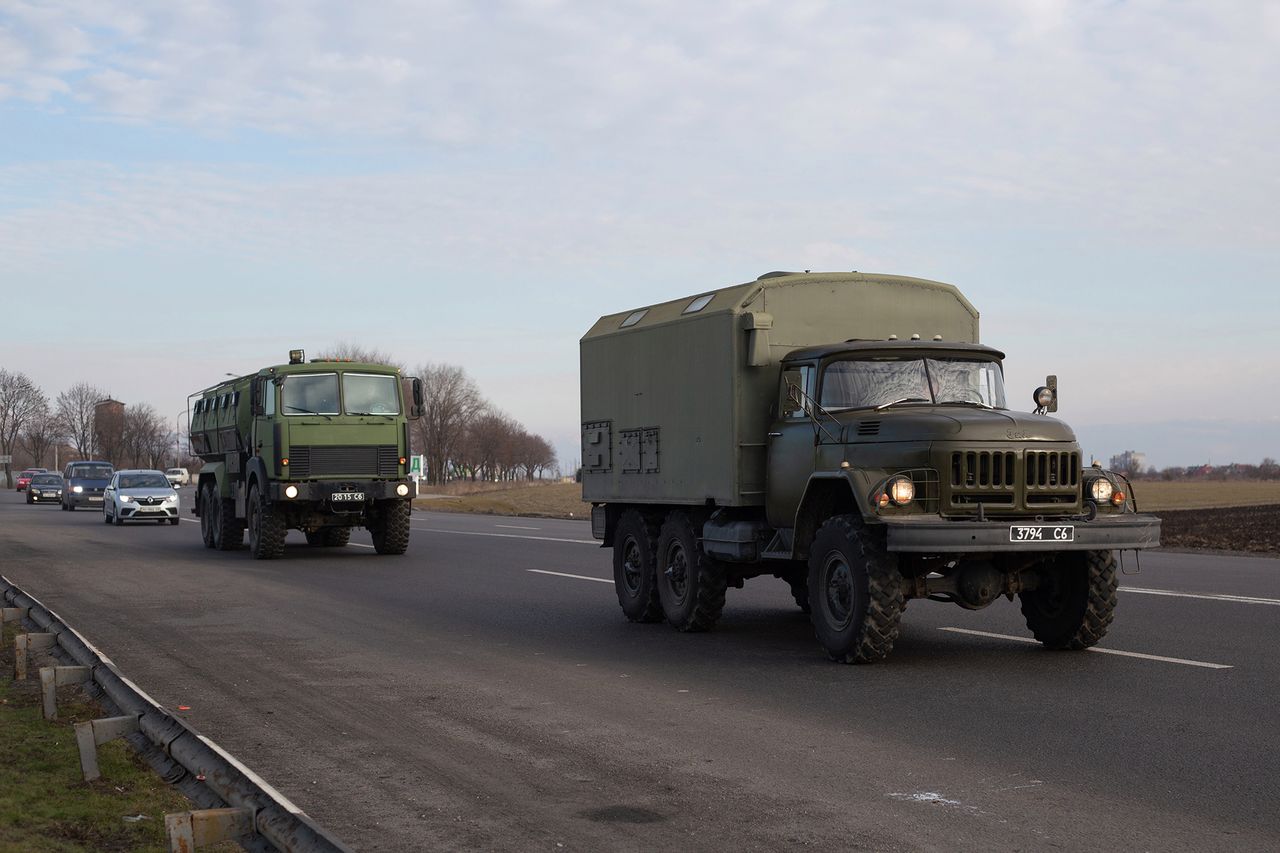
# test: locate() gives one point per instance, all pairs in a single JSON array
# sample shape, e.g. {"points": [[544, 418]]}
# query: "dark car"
{"points": [[85, 483], [44, 488], [24, 478]]}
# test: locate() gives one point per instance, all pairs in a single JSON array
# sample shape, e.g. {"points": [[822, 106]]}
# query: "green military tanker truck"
{"points": [[847, 433], [319, 446]]}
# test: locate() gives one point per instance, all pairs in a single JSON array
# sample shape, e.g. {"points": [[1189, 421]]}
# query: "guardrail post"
{"points": [[53, 677], [10, 614], [188, 831], [94, 732], [24, 643]]}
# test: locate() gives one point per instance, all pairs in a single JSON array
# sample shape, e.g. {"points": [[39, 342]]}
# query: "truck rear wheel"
{"points": [[228, 533], [266, 527], [390, 529], [329, 537], [855, 592], [691, 585], [635, 546], [1075, 601]]}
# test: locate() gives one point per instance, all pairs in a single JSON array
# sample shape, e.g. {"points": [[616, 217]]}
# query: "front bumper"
{"points": [[932, 535], [85, 498], [136, 512], [319, 491], [38, 496]]}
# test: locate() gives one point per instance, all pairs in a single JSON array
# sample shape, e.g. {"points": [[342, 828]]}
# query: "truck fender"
{"points": [[255, 471], [827, 494], [212, 472]]}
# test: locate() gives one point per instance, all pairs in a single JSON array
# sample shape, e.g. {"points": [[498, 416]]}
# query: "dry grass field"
{"points": [[1157, 495], [538, 500]]}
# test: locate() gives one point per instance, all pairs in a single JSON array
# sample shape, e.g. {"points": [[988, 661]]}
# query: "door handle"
{"points": [[775, 435]]}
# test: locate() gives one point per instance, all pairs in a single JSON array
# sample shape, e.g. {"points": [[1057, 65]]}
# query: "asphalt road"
{"points": [[484, 692]]}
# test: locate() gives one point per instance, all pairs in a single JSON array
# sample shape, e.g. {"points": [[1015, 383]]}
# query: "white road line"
{"points": [[517, 527], [507, 535], [1094, 649], [1238, 599], [567, 575]]}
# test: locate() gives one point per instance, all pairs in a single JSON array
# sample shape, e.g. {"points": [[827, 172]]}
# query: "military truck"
{"points": [[847, 433], [319, 446]]}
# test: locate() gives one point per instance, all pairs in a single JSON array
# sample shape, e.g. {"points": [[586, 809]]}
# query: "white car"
{"points": [[177, 476], [139, 495]]}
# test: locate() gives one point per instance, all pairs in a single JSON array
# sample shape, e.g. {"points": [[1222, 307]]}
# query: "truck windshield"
{"points": [[310, 394], [370, 394], [870, 382]]}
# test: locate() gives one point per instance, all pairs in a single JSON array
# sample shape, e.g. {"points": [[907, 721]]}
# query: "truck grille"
{"points": [[319, 460], [1013, 480]]}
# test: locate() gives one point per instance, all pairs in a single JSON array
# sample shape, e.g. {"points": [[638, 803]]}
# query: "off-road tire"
{"points": [[690, 584], [228, 533], [635, 548], [390, 529], [1075, 602], [266, 527], [329, 537], [855, 592], [204, 503]]}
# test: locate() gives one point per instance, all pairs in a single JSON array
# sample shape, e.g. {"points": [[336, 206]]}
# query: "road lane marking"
{"points": [[517, 527], [1238, 599], [507, 535], [358, 545], [1160, 658], [567, 575]]}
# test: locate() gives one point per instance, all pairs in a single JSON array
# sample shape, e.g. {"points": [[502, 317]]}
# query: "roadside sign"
{"points": [[415, 466], [6, 459]]}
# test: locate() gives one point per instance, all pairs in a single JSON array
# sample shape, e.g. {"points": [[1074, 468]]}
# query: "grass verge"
{"points": [[545, 500], [45, 804]]}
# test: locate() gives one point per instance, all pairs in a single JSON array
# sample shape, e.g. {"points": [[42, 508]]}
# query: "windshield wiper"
{"points": [[966, 403], [903, 400], [309, 412], [373, 414]]}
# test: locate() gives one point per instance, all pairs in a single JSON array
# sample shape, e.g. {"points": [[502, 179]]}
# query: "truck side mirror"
{"points": [[416, 411], [255, 396], [792, 403]]}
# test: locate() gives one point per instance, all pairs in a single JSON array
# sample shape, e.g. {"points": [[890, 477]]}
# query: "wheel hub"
{"points": [[839, 588]]}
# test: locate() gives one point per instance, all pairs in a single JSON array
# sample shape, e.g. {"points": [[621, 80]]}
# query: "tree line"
{"points": [[461, 434]]}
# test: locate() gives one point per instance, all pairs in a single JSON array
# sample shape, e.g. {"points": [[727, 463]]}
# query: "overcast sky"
{"points": [[190, 189]]}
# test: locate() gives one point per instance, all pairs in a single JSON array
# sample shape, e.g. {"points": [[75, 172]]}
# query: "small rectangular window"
{"points": [[197, 409], [634, 317], [698, 304]]}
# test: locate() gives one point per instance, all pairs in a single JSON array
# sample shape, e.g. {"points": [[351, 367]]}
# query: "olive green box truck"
{"points": [[847, 433], [319, 446]]}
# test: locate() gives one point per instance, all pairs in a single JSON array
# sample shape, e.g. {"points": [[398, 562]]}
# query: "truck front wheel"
{"points": [[690, 584], [228, 533], [855, 592], [1075, 600], [204, 503], [635, 544], [390, 529], [266, 527]]}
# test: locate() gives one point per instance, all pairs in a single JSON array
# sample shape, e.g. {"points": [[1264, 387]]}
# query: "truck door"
{"points": [[264, 419], [791, 446]]}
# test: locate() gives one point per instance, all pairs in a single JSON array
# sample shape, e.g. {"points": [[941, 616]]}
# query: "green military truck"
{"points": [[319, 446], [847, 433]]}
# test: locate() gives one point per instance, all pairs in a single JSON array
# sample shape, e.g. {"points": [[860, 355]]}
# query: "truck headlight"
{"points": [[1101, 490], [901, 491], [402, 490], [291, 491]]}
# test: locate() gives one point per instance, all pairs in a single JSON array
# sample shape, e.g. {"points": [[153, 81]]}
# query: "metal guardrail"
{"points": [[208, 775]]}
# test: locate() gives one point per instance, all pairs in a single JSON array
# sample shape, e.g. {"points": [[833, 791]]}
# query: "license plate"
{"points": [[347, 497], [1042, 533], [95, 500]]}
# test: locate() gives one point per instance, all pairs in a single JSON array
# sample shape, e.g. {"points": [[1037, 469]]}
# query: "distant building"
{"points": [[108, 428], [1130, 460]]}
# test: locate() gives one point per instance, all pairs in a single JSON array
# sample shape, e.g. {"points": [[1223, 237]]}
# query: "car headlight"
{"points": [[1101, 490], [402, 490], [77, 489], [173, 499], [901, 491], [124, 499], [291, 491]]}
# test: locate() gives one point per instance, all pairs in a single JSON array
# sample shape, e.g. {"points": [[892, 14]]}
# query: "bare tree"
{"points": [[41, 434], [20, 401], [450, 402], [145, 436], [75, 414], [357, 352]]}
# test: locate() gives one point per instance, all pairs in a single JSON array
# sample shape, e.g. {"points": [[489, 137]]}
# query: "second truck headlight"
{"points": [[1101, 490], [902, 491]]}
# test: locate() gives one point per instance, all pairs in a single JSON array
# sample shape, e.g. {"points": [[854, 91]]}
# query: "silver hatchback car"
{"points": [[139, 495]]}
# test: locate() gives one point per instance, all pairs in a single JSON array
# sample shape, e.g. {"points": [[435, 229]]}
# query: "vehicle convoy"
{"points": [[318, 446], [847, 433]]}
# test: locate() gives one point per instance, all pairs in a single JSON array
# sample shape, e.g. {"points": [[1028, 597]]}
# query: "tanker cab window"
{"points": [[802, 377], [370, 394], [310, 394]]}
